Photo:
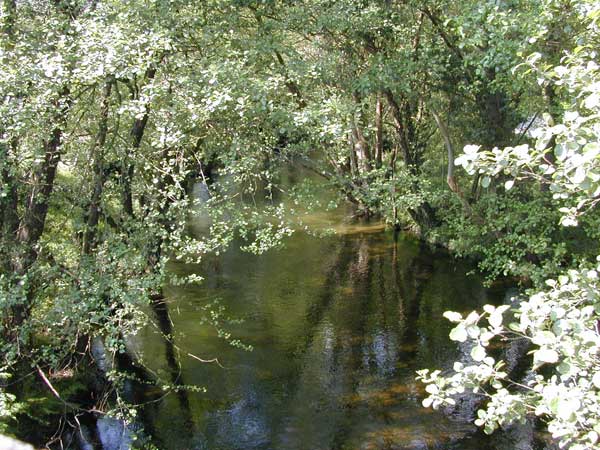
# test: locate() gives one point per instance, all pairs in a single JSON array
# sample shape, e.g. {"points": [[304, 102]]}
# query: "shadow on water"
{"points": [[339, 325], [165, 324]]}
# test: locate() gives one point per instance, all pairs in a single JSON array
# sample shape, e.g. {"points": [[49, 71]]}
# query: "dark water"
{"points": [[338, 327]]}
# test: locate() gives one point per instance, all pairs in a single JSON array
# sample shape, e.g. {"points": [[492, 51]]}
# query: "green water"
{"points": [[338, 326]]}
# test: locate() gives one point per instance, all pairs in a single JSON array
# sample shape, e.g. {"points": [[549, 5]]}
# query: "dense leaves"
{"points": [[137, 132], [561, 318]]}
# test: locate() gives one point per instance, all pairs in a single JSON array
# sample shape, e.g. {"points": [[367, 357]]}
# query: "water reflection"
{"points": [[339, 326], [165, 325]]}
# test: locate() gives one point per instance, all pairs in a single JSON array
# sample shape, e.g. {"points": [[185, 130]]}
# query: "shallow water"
{"points": [[338, 326]]}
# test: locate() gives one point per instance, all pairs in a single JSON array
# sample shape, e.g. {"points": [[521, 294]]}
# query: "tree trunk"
{"points": [[9, 219], [290, 84], [34, 218], [33, 222], [353, 157], [378, 132], [423, 215], [8, 203], [361, 150], [450, 149], [128, 169], [450, 179], [400, 130], [93, 213]]}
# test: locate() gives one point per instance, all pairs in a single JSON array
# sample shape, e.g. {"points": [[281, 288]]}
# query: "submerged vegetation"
{"points": [[124, 122]]}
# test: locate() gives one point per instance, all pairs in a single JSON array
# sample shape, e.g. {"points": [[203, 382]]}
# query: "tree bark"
{"points": [[361, 149], [93, 213], [8, 203], [9, 219], [33, 221], [290, 84], [450, 149], [401, 131], [450, 178], [378, 132], [424, 214], [136, 134], [34, 218]]}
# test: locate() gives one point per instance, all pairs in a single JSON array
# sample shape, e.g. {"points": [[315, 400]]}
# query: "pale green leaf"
{"points": [[459, 333], [478, 353]]}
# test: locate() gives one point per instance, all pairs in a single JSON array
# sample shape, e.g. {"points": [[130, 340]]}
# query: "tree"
{"points": [[561, 320], [112, 112], [107, 121]]}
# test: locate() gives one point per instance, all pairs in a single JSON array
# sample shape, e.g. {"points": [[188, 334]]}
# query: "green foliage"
{"points": [[561, 320], [8, 406], [137, 132], [128, 103], [217, 318], [520, 236], [561, 325]]}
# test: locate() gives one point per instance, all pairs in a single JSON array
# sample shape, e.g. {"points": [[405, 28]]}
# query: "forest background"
{"points": [[112, 111]]}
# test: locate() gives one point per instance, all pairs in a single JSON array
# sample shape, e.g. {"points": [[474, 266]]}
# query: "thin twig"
{"points": [[214, 360]]}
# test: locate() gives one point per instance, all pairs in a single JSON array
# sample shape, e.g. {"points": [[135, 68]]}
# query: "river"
{"points": [[337, 327]]}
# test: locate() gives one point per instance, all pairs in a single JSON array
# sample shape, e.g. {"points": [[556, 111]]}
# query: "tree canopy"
{"points": [[113, 113]]}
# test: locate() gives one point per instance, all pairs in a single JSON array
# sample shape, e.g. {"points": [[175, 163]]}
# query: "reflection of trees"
{"points": [[161, 311], [356, 328], [335, 275], [355, 384], [140, 390], [243, 424], [353, 336], [446, 288], [337, 371]]}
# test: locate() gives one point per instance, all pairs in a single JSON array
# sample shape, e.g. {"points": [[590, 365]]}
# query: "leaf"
{"points": [[502, 308], [485, 181], [495, 319], [558, 313], [592, 101], [545, 355], [471, 149], [472, 318], [568, 221], [489, 309], [473, 331], [478, 353], [564, 368], [567, 407], [543, 338], [432, 389], [553, 405], [579, 176], [516, 327], [596, 380], [453, 316], [459, 333], [560, 152]]}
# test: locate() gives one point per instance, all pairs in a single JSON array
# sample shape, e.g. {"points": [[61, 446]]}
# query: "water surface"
{"points": [[338, 326]]}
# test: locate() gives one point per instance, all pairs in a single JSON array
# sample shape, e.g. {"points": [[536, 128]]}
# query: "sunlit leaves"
{"points": [[560, 321], [561, 324], [545, 355], [459, 333], [453, 316]]}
